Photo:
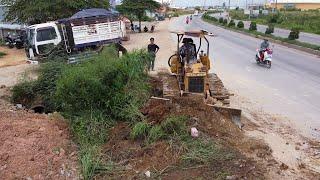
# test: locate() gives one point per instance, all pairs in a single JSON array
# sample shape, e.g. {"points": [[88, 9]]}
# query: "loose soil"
{"points": [[133, 158], [13, 56], [35, 146]]}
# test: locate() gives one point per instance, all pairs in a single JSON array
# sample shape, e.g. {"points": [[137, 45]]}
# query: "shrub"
{"points": [[174, 125], [221, 20], [253, 26], [23, 93], [270, 29], [156, 133], [225, 22], [2, 54], [294, 34], [232, 23], [140, 130], [116, 87], [240, 25]]}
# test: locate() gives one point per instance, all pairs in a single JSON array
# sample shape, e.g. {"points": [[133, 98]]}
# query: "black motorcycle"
{"points": [[19, 42], [10, 41]]}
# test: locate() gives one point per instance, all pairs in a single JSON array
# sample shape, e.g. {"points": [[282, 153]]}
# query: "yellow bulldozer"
{"points": [[191, 66]]}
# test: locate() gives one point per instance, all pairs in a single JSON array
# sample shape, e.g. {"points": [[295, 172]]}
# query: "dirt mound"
{"points": [[35, 146], [163, 159]]}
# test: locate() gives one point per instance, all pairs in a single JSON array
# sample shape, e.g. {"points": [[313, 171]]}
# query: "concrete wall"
{"points": [[302, 6]]}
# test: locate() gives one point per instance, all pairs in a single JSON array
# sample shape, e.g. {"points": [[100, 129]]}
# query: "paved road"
{"points": [[290, 88], [304, 37]]}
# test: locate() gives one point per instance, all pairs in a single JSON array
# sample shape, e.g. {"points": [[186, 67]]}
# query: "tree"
{"points": [[137, 8], [40, 11]]}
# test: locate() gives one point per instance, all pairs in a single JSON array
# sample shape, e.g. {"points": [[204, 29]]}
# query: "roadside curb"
{"points": [[293, 46]]}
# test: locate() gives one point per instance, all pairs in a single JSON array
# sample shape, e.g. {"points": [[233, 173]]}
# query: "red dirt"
{"points": [[35, 146], [162, 158]]}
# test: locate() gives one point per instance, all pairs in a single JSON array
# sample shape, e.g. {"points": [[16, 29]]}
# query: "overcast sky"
{"points": [[185, 3]]}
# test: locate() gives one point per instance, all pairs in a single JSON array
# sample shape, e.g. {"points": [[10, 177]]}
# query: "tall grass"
{"points": [[92, 95]]}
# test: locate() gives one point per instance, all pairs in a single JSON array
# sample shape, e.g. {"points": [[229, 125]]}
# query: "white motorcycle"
{"points": [[264, 57]]}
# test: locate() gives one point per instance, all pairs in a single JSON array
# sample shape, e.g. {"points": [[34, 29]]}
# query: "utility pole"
{"points": [[229, 5]]}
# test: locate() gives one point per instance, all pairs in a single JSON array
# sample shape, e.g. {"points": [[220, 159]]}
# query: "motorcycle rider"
{"points": [[187, 20], [263, 47]]}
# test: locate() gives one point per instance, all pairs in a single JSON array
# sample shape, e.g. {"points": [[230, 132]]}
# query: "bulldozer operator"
{"points": [[188, 51]]}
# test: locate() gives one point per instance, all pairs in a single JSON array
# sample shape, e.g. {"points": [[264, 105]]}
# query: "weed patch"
{"points": [[2, 54]]}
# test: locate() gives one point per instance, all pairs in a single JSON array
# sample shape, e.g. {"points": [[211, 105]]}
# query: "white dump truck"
{"points": [[87, 30]]}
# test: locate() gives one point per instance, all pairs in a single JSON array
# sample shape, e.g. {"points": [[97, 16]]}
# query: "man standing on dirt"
{"points": [[153, 50]]}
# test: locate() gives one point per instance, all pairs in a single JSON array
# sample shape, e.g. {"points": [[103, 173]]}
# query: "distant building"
{"points": [[7, 27], [298, 4]]}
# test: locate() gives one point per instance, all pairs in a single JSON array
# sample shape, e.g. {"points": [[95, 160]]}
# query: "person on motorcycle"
{"points": [[263, 47]]}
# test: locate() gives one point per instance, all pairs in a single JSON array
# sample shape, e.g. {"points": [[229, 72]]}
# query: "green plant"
{"points": [[202, 151], [156, 133], [23, 93], [240, 25], [89, 158], [232, 23], [253, 26], [174, 124], [116, 87], [140, 130], [270, 29], [2, 54], [221, 20], [225, 22], [294, 34]]}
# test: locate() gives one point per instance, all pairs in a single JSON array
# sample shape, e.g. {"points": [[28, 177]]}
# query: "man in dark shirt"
{"points": [[153, 50]]}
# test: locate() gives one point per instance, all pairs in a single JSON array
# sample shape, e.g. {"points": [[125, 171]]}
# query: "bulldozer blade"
{"points": [[234, 113]]}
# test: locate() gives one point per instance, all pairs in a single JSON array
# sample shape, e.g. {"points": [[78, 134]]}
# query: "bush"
{"points": [[40, 91], [140, 130], [253, 26], [240, 25], [23, 93], [232, 23], [270, 29], [174, 125], [221, 20], [156, 133], [225, 22], [294, 34], [116, 87]]}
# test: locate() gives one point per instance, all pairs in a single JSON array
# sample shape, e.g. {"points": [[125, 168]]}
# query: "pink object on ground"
{"points": [[194, 132]]}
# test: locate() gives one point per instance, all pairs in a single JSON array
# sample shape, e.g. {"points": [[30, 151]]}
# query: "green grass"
{"points": [[156, 133], [202, 151], [212, 20], [140, 130], [2, 54], [306, 21], [92, 95]]}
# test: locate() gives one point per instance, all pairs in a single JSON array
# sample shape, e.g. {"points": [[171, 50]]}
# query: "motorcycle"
{"points": [[10, 42], [20, 40], [264, 57]]}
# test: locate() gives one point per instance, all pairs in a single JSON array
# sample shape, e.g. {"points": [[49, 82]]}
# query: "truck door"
{"points": [[47, 38]]}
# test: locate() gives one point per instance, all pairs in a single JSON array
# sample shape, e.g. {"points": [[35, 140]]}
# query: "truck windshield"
{"points": [[46, 34]]}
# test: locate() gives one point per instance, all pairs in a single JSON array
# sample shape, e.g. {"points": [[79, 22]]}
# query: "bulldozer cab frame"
{"points": [[196, 34]]}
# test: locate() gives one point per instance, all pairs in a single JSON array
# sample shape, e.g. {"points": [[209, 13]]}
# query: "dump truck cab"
{"points": [[42, 38]]}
